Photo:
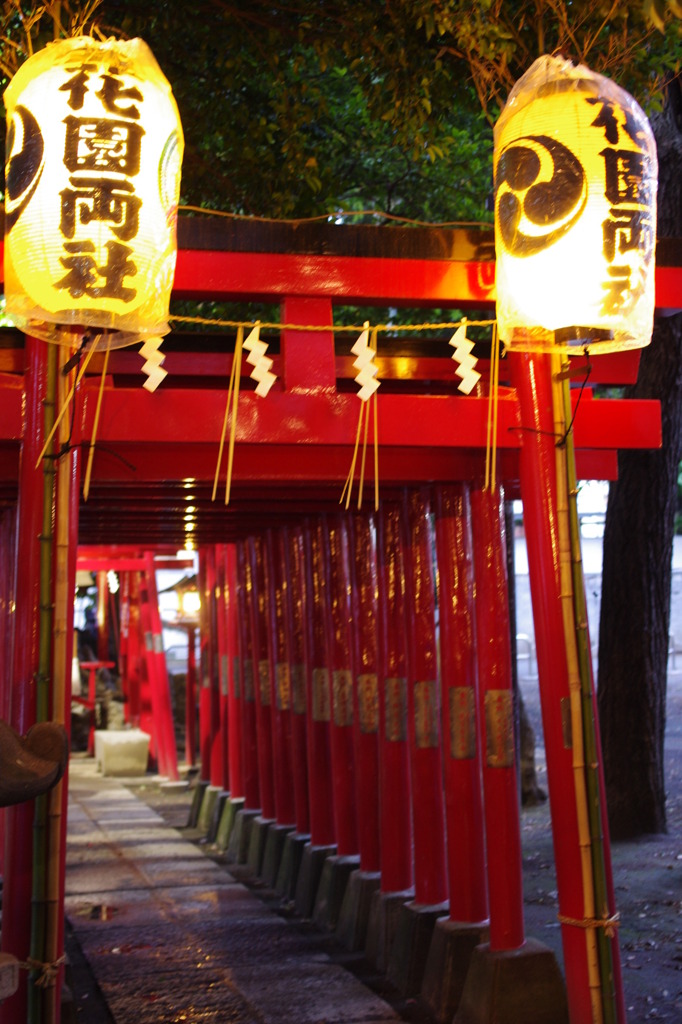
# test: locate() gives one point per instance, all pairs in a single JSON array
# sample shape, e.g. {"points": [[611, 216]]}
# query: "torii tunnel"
{"points": [[355, 699]]}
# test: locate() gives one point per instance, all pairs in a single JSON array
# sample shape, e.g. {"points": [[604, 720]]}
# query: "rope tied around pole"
{"points": [[609, 924], [47, 973]]}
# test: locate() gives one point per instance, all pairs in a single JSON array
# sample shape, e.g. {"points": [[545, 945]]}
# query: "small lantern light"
{"points": [[92, 183], [575, 213]]}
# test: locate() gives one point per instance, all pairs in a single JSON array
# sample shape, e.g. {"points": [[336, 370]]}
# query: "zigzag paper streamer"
{"points": [[152, 367], [365, 364], [262, 364], [462, 355]]}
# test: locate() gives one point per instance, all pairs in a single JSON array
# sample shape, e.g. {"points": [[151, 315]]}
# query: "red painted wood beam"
{"points": [[439, 421], [295, 464], [221, 275], [104, 564]]}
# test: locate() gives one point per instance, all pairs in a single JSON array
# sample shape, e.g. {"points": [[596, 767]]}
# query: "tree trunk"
{"points": [[637, 572]]}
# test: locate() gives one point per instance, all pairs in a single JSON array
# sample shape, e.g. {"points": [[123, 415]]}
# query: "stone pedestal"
{"points": [[274, 847], [207, 808], [447, 965], [351, 930], [228, 816], [382, 926], [520, 986], [410, 950], [257, 840], [240, 837], [290, 864], [219, 804], [200, 786], [309, 875], [335, 874]]}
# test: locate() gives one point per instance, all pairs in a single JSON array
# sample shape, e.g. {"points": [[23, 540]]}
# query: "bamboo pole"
{"points": [[575, 689], [600, 884], [61, 660], [40, 853]]}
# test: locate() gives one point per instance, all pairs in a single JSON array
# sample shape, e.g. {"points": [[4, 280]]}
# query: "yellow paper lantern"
{"points": [[575, 213], [92, 183]]}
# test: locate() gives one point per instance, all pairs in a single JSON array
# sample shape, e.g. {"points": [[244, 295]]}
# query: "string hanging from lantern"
{"points": [[66, 404], [493, 399], [91, 452]]}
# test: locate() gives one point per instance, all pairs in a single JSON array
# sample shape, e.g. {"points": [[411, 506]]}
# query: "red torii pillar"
{"points": [[234, 725], [279, 639], [222, 773], [256, 575], [310, 558], [215, 730], [532, 377], [354, 919], [336, 601], [395, 798], [240, 833], [209, 694], [456, 936], [417, 919], [296, 614]]}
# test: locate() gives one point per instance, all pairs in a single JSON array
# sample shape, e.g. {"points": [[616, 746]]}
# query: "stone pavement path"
{"points": [[170, 936]]}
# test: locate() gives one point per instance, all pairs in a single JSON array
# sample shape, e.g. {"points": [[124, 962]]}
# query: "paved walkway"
{"points": [[170, 936]]}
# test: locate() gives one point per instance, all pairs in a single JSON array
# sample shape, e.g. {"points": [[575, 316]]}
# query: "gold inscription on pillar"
{"points": [[283, 681], [236, 683], [342, 695], [368, 702], [264, 682], [223, 675], [297, 673], [499, 729], [395, 702], [426, 714], [321, 701], [248, 680], [462, 722]]}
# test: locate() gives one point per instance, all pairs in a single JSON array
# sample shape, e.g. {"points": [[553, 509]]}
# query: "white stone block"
{"points": [[122, 751]]}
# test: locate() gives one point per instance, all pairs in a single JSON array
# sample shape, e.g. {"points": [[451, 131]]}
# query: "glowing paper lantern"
{"points": [[92, 182], [575, 213]]}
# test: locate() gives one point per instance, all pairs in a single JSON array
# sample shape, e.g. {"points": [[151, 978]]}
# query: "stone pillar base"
{"points": [[411, 945], [351, 930], [335, 874], [240, 837], [309, 875], [274, 846], [382, 926], [228, 817], [197, 799], [447, 965], [257, 840], [290, 865], [519, 986]]}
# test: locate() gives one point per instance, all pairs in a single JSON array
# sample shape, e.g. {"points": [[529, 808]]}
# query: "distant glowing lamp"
{"points": [[92, 182], [575, 213], [191, 603]]}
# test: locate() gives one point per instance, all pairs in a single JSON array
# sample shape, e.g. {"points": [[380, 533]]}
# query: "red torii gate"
{"points": [[302, 434]]}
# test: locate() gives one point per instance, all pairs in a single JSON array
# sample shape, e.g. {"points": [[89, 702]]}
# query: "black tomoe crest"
{"points": [[540, 192], [25, 163]]}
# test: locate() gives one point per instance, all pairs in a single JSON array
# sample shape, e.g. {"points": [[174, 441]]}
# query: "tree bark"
{"points": [[637, 569]]}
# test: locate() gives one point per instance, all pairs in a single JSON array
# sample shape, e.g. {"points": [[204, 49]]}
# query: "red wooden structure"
{"points": [[156, 452]]}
